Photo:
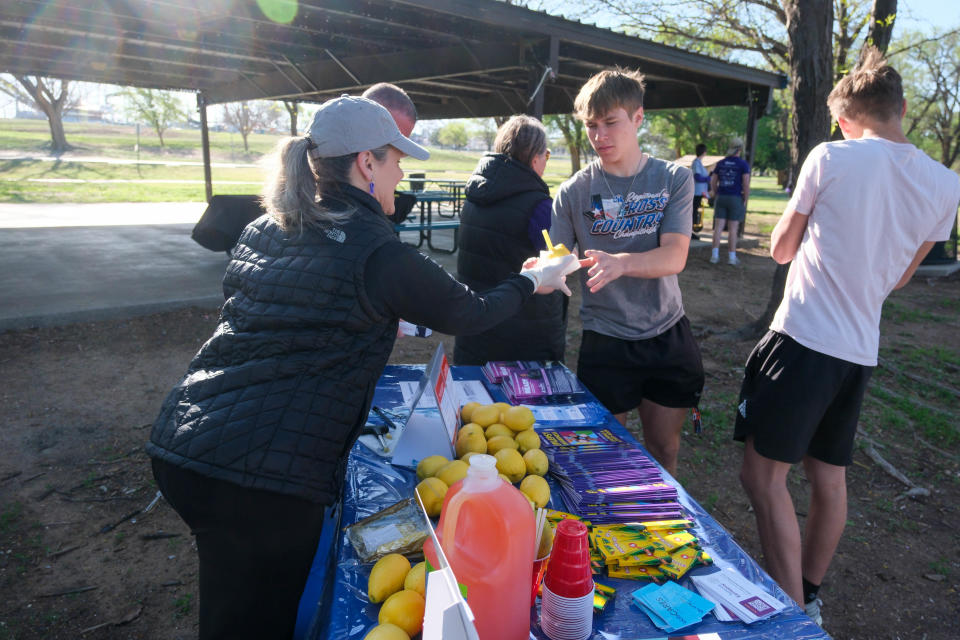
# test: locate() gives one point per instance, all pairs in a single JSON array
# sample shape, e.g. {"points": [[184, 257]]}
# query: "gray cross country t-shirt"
{"points": [[593, 210]]}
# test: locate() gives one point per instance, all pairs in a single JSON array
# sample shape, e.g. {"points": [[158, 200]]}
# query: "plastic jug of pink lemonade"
{"points": [[486, 530]]}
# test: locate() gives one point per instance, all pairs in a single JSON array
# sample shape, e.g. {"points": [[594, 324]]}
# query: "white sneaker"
{"points": [[812, 609], [733, 260], [714, 259]]}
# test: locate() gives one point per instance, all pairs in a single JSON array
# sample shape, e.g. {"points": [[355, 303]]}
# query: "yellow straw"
{"points": [[546, 236]]}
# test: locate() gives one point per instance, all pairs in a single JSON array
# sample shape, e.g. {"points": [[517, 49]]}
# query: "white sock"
{"points": [[715, 253], [732, 255]]}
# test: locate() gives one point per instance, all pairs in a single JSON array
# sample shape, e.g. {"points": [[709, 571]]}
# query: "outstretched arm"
{"points": [[667, 259]]}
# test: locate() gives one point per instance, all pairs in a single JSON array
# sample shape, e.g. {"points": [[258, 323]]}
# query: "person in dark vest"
{"points": [[251, 445], [506, 209]]}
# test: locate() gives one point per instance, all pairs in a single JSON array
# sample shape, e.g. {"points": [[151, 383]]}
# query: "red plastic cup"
{"points": [[568, 573], [539, 568]]}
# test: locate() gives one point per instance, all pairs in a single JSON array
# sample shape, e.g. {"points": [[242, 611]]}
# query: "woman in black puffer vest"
{"points": [[507, 207], [252, 444]]}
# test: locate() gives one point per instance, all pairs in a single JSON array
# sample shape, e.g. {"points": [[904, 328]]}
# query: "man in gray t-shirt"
{"points": [[586, 212], [630, 216]]}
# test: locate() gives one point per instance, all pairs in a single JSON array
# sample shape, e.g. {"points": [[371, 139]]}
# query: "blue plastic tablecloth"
{"points": [[337, 591]]}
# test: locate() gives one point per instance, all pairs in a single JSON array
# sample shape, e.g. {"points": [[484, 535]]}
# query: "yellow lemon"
{"points": [[536, 461], [471, 443], [532, 503], [486, 415], [386, 577], [527, 440], [496, 443], [518, 418], [386, 631], [417, 579], [504, 478], [537, 489], [404, 609], [432, 491], [467, 410], [429, 466], [501, 406], [452, 472], [510, 463], [466, 457], [471, 428], [546, 541], [497, 429]]}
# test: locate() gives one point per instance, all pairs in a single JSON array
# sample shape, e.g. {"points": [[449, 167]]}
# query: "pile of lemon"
{"points": [[401, 588], [502, 431]]}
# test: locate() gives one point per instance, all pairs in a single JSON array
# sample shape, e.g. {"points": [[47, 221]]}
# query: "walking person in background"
{"points": [[252, 444], [864, 214], [507, 208], [730, 187], [701, 186]]}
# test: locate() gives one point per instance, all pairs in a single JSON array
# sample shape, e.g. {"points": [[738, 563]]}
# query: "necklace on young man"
{"points": [[626, 194]]}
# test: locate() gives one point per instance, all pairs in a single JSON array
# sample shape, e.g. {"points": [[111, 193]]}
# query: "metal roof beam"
{"points": [[329, 76]]}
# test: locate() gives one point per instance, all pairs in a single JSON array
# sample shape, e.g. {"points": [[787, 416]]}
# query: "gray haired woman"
{"points": [[252, 444], [507, 208]]}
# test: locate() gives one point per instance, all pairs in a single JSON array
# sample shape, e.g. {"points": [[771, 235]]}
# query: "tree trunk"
{"points": [[244, 133], [574, 150], [58, 138], [809, 28], [293, 108], [52, 107], [881, 23]]}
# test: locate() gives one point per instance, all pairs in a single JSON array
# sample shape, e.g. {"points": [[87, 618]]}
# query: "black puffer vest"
{"points": [[494, 242], [275, 399]]}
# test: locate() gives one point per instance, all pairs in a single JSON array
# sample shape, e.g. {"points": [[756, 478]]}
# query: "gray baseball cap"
{"points": [[351, 124], [735, 145]]}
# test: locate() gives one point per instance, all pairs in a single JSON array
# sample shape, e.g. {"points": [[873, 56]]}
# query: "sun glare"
{"points": [[282, 11]]}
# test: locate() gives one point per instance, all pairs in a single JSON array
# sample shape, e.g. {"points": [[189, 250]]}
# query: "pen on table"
{"points": [[386, 419], [376, 430]]}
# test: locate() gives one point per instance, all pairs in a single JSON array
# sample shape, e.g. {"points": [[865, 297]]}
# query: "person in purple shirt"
{"points": [[730, 186], [506, 209]]}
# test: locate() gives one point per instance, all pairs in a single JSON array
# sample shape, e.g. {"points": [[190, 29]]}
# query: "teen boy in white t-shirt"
{"points": [[631, 217], [865, 212]]}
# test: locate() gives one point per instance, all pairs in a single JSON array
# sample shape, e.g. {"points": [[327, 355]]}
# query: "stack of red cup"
{"points": [[566, 610]]}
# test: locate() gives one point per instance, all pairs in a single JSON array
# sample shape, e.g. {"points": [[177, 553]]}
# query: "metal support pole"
{"points": [[205, 140], [750, 144]]}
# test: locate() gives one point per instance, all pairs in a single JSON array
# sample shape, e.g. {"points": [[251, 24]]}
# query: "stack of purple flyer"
{"points": [[609, 482], [526, 382]]}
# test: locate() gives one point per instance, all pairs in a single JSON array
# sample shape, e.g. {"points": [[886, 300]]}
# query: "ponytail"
{"points": [[293, 187]]}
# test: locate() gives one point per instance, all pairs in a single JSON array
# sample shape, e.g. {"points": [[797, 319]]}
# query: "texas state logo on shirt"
{"points": [[640, 214]]}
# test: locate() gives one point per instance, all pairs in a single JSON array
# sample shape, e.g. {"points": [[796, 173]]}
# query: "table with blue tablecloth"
{"points": [[335, 602]]}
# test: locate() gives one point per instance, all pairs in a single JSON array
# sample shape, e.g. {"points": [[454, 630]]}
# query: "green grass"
{"points": [[900, 314], [18, 178], [182, 606]]}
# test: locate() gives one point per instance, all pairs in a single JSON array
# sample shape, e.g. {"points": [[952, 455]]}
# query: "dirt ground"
{"points": [[82, 557]]}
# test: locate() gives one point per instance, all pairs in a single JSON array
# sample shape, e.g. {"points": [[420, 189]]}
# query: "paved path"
{"points": [[64, 263], [79, 262]]}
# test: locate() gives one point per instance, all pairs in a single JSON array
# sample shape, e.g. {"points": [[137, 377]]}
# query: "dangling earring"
{"points": [[371, 188]]}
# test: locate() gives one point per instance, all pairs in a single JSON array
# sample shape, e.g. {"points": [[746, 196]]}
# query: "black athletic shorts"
{"points": [[796, 402], [666, 369]]}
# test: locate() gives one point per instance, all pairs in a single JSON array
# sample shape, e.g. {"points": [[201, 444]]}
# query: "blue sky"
{"points": [[922, 15]]}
